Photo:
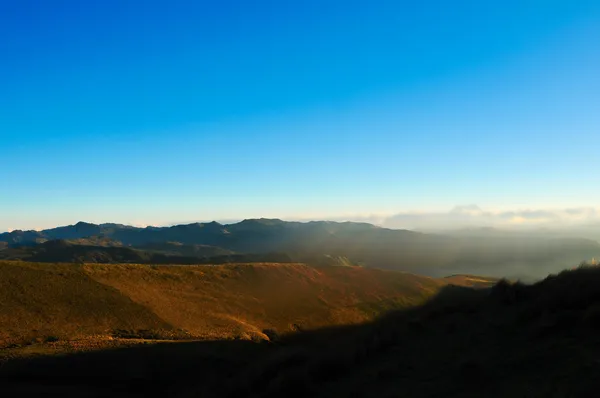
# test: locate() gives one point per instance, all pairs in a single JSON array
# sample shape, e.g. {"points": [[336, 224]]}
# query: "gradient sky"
{"points": [[155, 112]]}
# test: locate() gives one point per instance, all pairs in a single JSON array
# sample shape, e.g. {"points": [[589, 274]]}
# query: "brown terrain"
{"points": [[67, 307], [404, 336]]}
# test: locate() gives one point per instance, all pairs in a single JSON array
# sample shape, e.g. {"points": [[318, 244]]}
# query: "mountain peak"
{"points": [[264, 221], [84, 224]]}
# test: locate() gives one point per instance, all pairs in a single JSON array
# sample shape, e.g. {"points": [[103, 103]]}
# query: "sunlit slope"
{"points": [[70, 301], [48, 301], [512, 340], [242, 299]]}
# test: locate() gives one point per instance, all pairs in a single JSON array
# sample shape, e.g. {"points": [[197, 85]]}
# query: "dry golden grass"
{"points": [[40, 303], [244, 299], [47, 301], [512, 340], [471, 281]]}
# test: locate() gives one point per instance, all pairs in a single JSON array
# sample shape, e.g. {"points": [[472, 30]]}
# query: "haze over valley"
{"points": [[497, 253], [310, 199]]}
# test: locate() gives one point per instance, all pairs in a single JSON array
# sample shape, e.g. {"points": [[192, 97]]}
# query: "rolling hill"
{"points": [[510, 340], [315, 243], [75, 301], [77, 251]]}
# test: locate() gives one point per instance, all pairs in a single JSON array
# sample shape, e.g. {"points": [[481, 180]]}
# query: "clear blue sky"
{"points": [[153, 112]]}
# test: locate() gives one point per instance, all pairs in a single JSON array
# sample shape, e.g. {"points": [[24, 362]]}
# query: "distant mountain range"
{"points": [[316, 242]]}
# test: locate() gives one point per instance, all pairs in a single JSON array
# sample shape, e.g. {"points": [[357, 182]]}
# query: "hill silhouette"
{"points": [[312, 243], [511, 340]]}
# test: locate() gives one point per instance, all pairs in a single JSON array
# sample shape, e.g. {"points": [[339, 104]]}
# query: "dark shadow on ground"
{"points": [[511, 340]]}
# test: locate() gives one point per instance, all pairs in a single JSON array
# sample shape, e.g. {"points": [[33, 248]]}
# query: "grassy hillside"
{"points": [[508, 341], [179, 249], [109, 252], [47, 301], [41, 302], [242, 299]]}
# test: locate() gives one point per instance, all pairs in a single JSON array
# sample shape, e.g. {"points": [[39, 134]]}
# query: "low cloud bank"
{"points": [[473, 216]]}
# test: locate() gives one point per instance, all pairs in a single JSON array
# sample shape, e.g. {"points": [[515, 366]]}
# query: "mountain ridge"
{"points": [[515, 256]]}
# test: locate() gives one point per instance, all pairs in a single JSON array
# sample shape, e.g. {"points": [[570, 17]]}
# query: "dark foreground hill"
{"points": [[508, 341], [312, 243]]}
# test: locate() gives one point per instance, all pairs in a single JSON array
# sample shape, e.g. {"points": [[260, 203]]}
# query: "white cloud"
{"points": [[473, 216], [584, 219]]}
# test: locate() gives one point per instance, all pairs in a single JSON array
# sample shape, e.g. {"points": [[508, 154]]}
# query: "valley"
{"points": [[316, 243]]}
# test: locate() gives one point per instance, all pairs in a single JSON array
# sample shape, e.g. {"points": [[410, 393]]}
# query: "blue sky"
{"points": [[153, 112]]}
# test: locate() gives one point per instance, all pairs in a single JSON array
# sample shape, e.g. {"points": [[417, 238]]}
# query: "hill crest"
{"points": [[310, 242]]}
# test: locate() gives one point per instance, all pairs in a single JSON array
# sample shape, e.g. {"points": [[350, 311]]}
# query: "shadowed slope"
{"points": [[109, 252], [70, 301], [62, 301], [243, 299], [508, 341]]}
